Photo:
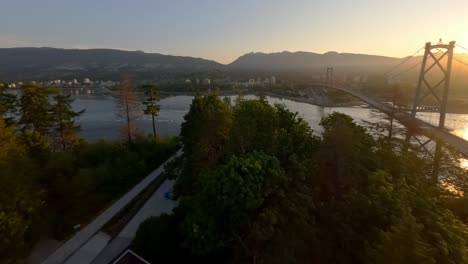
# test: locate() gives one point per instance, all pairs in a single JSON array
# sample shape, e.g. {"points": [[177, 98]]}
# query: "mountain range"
{"points": [[305, 61], [51, 63]]}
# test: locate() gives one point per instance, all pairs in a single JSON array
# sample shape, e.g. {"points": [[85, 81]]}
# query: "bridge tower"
{"points": [[425, 89]]}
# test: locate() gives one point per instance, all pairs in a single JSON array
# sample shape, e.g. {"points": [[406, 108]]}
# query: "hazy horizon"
{"points": [[223, 30]]}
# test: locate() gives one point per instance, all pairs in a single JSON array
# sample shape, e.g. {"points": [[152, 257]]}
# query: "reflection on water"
{"points": [[100, 121], [457, 123], [464, 164], [462, 132]]}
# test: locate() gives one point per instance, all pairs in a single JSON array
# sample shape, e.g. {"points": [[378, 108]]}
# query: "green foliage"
{"points": [[239, 198], [273, 129], [254, 127], [346, 154], [151, 103], [35, 109], [85, 179], [36, 145], [20, 203], [204, 134], [7, 139], [260, 188], [157, 241], [8, 104], [20, 199], [420, 230], [49, 191], [63, 118]]}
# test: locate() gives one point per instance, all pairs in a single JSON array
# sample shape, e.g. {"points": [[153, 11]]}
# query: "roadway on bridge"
{"points": [[407, 120]]}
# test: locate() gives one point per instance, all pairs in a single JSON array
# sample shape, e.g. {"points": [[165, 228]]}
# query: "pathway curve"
{"points": [[83, 236], [155, 206]]}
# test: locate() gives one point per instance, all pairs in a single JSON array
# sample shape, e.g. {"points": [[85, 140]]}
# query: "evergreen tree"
{"points": [[66, 132], [151, 103], [7, 139], [20, 199], [35, 109], [204, 135], [8, 105]]}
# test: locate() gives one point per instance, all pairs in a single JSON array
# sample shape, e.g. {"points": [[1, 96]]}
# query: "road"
{"points": [[64, 252], [155, 206]]}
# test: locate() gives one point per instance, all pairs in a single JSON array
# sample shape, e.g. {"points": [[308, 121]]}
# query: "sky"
{"points": [[223, 30]]}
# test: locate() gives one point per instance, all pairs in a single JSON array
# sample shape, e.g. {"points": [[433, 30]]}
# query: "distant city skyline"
{"points": [[223, 30]]}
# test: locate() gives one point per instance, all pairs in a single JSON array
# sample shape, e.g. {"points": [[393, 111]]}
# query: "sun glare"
{"points": [[464, 164], [462, 132]]}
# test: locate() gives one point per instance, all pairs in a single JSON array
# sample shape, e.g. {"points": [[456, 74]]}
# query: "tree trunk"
{"points": [[129, 133], [62, 136], [154, 127]]}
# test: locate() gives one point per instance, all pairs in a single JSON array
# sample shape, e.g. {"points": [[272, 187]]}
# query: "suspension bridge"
{"points": [[436, 92]]}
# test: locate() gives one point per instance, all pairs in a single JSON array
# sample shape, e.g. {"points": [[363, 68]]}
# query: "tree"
{"points": [[7, 139], [254, 127], [36, 120], [238, 206], [8, 105], [35, 109], [129, 108], [151, 103], [346, 154], [64, 121], [204, 134], [273, 129], [20, 199], [261, 188], [158, 241]]}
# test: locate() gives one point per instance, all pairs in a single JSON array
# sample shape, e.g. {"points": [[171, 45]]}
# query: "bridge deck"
{"points": [[408, 121]]}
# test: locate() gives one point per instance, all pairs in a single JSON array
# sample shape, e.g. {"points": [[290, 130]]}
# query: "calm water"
{"points": [[100, 121]]}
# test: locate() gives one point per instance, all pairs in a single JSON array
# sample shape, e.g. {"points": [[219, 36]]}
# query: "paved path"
{"points": [[80, 238], [90, 250], [42, 250], [155, 206]]}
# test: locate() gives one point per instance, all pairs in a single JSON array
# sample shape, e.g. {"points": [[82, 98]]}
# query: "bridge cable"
{"points": [[460, 61], [404, 61], [405, 71], [460, 46]]}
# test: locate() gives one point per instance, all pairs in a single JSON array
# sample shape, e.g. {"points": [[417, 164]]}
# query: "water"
{"points": [[100, 121], [456, 123]]}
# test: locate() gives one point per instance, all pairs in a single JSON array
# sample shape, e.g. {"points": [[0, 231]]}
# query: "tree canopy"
{"points": [[258, 186]]}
